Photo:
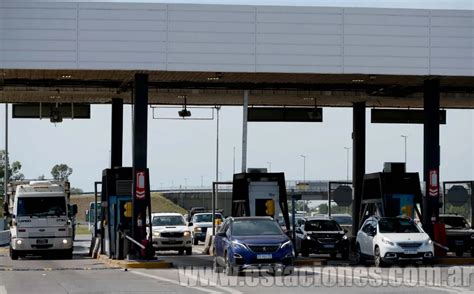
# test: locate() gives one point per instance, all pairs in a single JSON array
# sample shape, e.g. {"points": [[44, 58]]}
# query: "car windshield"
{"points": [[44, 206], [454, 222], [206, 218], [398, 226], [343, 219], [321, 225], [255, 228], [168, 220]]}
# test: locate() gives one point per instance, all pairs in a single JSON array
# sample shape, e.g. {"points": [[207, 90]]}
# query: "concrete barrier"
{"points": [[4, 237]]}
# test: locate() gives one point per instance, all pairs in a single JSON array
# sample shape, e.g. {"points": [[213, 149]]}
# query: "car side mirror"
{"points": [[299, 231], [74, 209], [190, 224]]}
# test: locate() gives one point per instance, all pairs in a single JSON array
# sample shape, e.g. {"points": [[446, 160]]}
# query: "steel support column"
{"points": [[431, 154], [244, 131], [141, 187], [358, 161], [116, 145]]}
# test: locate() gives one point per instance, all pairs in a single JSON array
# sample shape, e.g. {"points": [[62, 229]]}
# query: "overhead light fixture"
{"points": [[358, 81], [308, 98], [66, 76], [55, 96], [182, 96], [216, 77]]}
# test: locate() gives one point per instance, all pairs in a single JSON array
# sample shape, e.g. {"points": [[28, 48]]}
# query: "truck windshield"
{"points": [[206, 218], [44, 206], [169, 220]]}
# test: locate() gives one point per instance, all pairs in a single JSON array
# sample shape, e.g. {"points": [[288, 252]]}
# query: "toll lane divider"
{"points": [[4, 238], [146, 264]]}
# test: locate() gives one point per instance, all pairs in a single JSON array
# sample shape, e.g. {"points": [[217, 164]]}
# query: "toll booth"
{"points": [[260, 194], [393, 192], [116, 205]]}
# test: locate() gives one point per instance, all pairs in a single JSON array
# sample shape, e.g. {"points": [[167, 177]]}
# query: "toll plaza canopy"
{"points": [[78, 51]]}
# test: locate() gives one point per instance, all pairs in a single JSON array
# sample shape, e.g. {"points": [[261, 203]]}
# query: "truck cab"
{"points": [[40, 220]]}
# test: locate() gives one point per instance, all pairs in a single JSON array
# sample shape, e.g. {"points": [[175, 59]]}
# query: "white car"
{"points": [[200, 223], [169, 232], [392, 240]]}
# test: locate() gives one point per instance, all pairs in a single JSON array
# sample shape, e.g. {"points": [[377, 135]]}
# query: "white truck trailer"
{"points": [[41, 219]]}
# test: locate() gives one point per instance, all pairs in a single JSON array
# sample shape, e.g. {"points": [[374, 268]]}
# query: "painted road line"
{"points": [[174, 282], [204, 281], [3, 290]]}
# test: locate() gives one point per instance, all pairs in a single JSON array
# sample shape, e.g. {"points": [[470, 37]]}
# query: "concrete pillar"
{"points": [[244, 131], [116, 146], [358, 161], [431, 154]]}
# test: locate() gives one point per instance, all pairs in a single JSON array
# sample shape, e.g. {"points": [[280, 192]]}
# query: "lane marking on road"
{"points": [[213, 284], [3, 290], [206, 290]]}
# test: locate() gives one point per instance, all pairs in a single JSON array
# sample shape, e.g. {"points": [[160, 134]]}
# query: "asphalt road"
{"points": [[85, 275]]}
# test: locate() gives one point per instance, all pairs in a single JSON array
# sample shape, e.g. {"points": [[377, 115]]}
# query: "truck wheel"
{"points": [[345, 255], [304, 251], [13, 254], [68, 254], [195, 241], [189, 251]]}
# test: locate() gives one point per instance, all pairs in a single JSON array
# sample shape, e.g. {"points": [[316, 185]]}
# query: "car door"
{"points": [[300, 235], [370, 235], [220, 242], [363, 238]]}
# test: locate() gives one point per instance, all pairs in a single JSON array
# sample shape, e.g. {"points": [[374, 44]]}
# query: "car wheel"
{"points": [[333, 255], [459, 253], [304, 251], [181, 251], [189, 251], [68, 254], [288, 270], [13, 254], [377, 258], [230, 270], [472, 252], [195, 241], [345, 255], [360, 259]]}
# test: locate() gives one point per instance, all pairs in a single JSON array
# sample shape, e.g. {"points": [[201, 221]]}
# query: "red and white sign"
{"points": [[433, 189], [140, 185]]}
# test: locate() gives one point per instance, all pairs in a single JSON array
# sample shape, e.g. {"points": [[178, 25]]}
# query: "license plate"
{"points": [[264, 256], [411, 252], [171, 241], [328, 246], [41, 241], [459, 242]]}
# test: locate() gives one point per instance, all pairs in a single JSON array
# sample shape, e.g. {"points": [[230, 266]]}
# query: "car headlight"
{"points": [[387, 241], [156, 234], [428, 242], [186, 234], [237, 244], [197, 229], [344, 237], [286, 244]]}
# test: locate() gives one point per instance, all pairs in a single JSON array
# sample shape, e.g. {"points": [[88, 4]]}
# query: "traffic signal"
{"points": [[128, 209], [270, 205]]}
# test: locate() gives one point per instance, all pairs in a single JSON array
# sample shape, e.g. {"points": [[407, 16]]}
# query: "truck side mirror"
{"points": [[73, 209], [190, 224]]}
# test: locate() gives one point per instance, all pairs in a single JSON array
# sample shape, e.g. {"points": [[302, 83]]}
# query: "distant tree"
{"points": [[61, 172], [76, 190], [42, 177], [14, 170]]}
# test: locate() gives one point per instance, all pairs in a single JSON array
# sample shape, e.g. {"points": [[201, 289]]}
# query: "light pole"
{"points": [[6, 175], [304, 167], [202, 181], [269, 166], [405, 137], [347, 160]]}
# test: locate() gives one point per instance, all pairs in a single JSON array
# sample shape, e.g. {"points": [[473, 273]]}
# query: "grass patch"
{"points": [[82, 230], [158, 204]]}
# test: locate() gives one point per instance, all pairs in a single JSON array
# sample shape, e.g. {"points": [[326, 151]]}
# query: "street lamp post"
{"points": [[347, 161], [269, 166], [304, 167], [405, 137]]}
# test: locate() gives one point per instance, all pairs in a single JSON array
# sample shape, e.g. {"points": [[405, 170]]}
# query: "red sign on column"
{"points": [[140, 185], [433, 189]]}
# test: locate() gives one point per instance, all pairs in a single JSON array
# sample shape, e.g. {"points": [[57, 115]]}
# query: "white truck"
{"points": [[41, 219]]}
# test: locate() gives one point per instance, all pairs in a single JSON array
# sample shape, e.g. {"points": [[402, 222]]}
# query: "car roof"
{"points": [[310, 218], [247, 218], [210, 212], [166, 214], [451, 215]]}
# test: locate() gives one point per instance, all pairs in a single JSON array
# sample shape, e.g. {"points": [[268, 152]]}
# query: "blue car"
{"points": [[252, 242]]}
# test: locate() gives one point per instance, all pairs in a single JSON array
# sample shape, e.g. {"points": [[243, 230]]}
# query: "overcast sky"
{"points": [[186, 149]]}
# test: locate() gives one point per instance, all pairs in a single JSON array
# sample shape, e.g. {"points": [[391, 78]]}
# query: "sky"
{"points": [[180, 152]]}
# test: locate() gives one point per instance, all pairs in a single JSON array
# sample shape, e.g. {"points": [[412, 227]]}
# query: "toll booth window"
{"points": [[321, 225], [255, 228], [454, 222], [46, 206], [168, 221], [397, 226], [206, 218]]}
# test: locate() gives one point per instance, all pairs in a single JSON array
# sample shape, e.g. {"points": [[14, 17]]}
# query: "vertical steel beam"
{"points": [[431, 154], [358, 161], [244, 131], [141, 190], [116, 145], [5, 174]]}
